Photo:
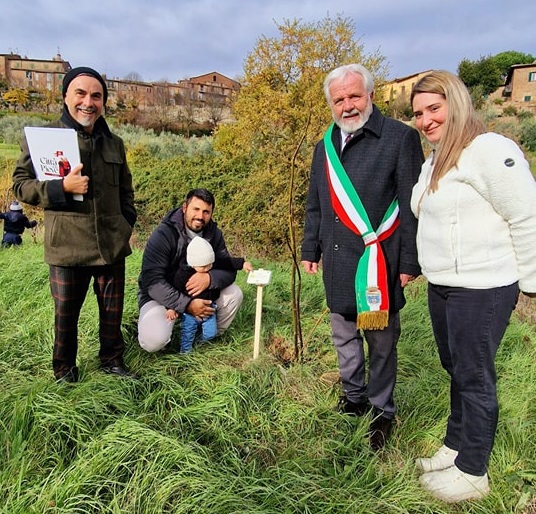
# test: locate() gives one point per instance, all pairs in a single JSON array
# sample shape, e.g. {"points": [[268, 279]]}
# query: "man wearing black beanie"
{"points": [[87, 239], [84, 70]]}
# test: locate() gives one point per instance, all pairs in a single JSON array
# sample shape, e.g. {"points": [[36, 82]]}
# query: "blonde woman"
{"points": [[476, 205]]}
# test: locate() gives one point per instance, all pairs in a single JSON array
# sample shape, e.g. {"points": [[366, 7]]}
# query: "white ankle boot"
{"points": [[453, 485], [442, 459]]}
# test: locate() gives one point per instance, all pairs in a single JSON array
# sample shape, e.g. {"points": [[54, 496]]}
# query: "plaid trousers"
{"points": [[69, 286]]}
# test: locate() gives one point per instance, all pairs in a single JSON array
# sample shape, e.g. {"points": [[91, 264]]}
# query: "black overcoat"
{"points": [[383, 162]]}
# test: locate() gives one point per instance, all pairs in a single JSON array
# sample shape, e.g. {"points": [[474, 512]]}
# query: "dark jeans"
{"points": [[69, 286], [11, 239], [348, 342], [468, 327]]}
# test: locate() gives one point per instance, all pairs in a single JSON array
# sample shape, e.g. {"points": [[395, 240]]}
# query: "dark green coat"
{"points": [[94, 231]]}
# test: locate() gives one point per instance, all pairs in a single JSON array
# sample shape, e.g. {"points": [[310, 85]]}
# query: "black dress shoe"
{"points": [[69, 376], [346, 406], [119, 370], [379, 432]]}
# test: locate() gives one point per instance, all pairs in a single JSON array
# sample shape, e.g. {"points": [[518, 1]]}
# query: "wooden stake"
{"points": [[258, 316]]}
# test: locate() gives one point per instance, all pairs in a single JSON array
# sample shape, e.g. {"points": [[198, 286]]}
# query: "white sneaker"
{"points": [[453, 485], [442, 459]]}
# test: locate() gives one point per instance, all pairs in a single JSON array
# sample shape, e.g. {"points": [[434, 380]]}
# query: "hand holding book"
{"points": [[74, 182], [55, 155]]}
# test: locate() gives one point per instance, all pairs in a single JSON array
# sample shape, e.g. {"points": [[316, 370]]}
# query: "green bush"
{"points": [[510, 110], [164, 145], [528, 134], [508, 127], [11, 127], [525, 115]]}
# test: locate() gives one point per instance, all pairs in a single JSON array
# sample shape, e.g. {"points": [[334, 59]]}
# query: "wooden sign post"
{"points": [[260, 278]]}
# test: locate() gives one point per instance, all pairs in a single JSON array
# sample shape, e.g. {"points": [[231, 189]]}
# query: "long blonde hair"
{"points": [[461, 126]]}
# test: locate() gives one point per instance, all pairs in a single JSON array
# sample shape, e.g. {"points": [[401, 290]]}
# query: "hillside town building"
{"points": [[21, 72], [38, 74], [518, 90], [216, 89], [520, 85], [399, 89]]}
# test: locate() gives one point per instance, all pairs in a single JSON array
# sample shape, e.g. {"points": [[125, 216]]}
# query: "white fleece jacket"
{"points": [[478, 230]]}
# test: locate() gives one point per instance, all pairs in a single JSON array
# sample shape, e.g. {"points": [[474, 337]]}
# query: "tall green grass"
{"points": [[215, 431]]}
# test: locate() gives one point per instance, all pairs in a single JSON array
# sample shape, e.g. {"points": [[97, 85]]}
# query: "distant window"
{"points": [[214, 78], [29, 75], [526, 98], [532, 76]]}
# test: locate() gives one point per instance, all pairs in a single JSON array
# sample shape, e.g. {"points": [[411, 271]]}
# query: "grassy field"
{"points": [[217, 432], [9, 151]]}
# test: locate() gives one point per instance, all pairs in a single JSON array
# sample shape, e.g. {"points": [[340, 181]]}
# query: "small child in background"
{"points": [[200, 258], [14, 224]]}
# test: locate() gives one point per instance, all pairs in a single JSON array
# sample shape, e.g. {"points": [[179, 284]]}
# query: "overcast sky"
{"points": [[177, 39]]}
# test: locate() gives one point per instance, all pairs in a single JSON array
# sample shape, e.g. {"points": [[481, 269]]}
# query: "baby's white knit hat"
{"points": [[199, 252]]}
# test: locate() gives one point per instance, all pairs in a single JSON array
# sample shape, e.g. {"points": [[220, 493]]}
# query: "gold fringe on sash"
{"points": [[373, 320]]}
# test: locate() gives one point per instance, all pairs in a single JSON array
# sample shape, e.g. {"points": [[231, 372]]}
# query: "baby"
{"points": [[200, 258]]}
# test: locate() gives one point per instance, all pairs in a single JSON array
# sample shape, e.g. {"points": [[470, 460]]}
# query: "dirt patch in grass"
{"points": [[281, 349], [526, 310]]}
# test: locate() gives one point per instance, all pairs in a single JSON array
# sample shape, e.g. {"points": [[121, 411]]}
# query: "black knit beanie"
{"points": [[84, 70]]}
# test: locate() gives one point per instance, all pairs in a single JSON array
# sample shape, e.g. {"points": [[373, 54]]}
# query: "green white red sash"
{"points": [[372, 293]]}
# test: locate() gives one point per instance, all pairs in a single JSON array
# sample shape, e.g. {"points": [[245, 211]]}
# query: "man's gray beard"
{"points": [[352, 127]]}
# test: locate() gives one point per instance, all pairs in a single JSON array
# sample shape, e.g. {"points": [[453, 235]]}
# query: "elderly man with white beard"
{"points": [[359, 222]]}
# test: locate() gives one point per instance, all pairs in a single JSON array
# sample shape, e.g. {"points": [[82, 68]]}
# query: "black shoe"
{"points": [[346, 406], [70, 376], [379, 432], [120, 371]]}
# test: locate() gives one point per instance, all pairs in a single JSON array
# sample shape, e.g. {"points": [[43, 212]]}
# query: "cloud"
{"points": [[177, 39]]}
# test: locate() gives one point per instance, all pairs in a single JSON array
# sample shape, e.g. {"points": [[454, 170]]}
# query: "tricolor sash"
{"points": [[371, 286]]}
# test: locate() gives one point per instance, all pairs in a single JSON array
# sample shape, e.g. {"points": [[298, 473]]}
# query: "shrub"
{"points": [[163, 145], [477, 96], [11, 127], [528, 134], [525, 115], [510, 110], [508, 127]]}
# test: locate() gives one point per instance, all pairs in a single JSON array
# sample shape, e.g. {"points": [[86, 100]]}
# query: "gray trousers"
{"points": [[382, 355]]}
